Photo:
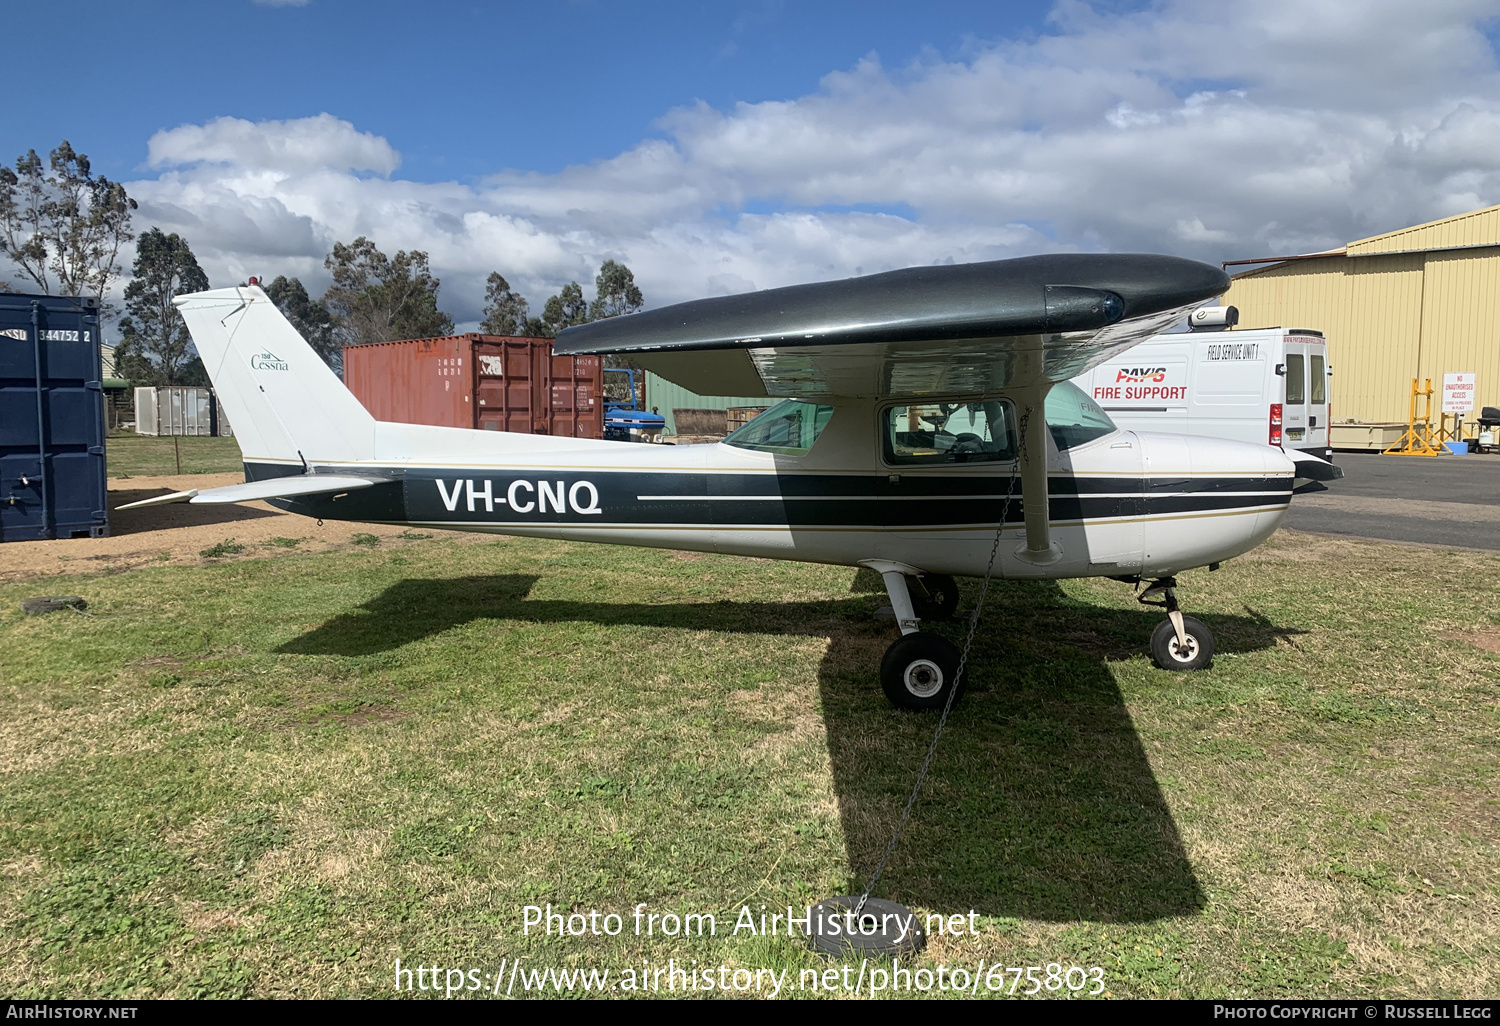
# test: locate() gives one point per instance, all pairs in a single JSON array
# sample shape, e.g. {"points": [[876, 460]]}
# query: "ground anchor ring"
{"points": [[882, 929]]}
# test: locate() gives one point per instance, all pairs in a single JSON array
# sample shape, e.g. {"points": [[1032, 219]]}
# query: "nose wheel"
{"points": [[1179, 642], [919, 671]]}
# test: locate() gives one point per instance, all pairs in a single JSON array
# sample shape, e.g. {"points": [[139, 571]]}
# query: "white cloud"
{"points": [[1200, 128], [302, 144]]}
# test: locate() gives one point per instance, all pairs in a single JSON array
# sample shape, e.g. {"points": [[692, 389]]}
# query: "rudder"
{"points": [[285, 403]]}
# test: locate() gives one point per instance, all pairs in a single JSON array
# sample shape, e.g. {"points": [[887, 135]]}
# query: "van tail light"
{"points": [[1275, 423]]}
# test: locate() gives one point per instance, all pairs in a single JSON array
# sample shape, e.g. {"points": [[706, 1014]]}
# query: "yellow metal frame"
{"points": [[1419, 439], [1454, 433]]}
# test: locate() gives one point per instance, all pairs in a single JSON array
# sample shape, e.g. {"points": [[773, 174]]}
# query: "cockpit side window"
{"points": [[936, 433], [787, 429]]}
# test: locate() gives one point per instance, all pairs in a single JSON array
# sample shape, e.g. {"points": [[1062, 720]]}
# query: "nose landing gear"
{"points": [[920, 669], [1179, 642], [936, 597]]}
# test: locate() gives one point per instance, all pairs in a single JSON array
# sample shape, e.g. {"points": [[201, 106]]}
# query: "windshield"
{"points": [[788, 429], [1074, 418]]}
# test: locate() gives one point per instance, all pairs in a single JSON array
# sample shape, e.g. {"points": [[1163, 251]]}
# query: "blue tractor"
{"points": [[624, 419]]}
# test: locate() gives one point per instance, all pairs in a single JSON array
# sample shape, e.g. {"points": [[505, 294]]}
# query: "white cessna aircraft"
{"points": [[928, 431]]}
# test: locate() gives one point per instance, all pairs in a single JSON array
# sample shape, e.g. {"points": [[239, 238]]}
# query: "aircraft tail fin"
{"points": [[283, 401]]}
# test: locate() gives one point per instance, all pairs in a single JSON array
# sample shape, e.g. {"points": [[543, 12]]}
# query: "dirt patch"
{"points": [[179, 532], [199, 918], [1487, 638], [159, 663], [360, 717]]}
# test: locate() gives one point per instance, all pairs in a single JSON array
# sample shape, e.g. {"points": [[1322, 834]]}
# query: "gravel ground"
{"points": [[180, 532]]}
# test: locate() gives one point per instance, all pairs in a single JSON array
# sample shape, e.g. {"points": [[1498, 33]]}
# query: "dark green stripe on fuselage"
{"points": [[586, 497]]}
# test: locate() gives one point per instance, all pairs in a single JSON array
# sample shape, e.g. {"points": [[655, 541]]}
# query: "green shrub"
{"points": [[227, 547]]}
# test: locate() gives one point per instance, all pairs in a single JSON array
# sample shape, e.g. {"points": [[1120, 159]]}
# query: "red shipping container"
{"points": [[489, 382]]}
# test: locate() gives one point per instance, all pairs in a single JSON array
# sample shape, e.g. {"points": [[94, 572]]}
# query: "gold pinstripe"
{"points": [[543, 524]]}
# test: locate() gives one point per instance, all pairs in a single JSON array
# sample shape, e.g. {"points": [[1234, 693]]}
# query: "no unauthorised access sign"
{"points": [[1458, 393]]}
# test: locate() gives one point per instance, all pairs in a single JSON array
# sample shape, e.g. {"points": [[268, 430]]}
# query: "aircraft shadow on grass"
{"points": [[1041, 802]]}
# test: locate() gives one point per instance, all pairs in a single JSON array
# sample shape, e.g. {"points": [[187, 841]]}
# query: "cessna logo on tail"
{"points": [[1137, 374], [268, 361], [523, 496]]}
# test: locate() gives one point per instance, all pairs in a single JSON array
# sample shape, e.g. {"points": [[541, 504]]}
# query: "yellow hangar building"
{"points": [[1419, 303]]}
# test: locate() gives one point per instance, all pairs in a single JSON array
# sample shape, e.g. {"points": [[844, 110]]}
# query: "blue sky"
{"points": [[462, 89], [722, 148]]}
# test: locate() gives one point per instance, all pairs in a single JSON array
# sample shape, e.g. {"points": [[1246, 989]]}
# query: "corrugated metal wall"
{"points": [[1375, 355], [1475, 228], [664, 396], [1388, 319], [1459, 326]]}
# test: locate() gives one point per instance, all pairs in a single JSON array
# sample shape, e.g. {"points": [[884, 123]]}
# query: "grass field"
{"points": [[274, 776], [131, 455]]}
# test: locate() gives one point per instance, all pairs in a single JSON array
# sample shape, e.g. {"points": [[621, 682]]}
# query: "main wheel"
{"points": [[918, 671], [941, 599], [1169, 654]]}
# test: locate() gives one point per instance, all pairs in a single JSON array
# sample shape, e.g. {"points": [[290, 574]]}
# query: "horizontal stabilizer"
{"points": [[273, 488]]}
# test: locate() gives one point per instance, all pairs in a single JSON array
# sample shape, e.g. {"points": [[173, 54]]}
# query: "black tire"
{"points": [[940, 600], [43, 605], [918, 671], [1199, 654]]}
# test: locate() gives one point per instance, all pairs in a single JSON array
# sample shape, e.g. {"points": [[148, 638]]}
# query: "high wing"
{"points": [[272, 488], [948, 329]]}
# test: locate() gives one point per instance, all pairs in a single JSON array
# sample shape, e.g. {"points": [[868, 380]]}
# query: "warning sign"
{"points": [[1458, 393]]}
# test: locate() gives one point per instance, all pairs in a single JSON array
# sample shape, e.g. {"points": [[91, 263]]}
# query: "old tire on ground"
{"points": [[51, 603], [1197, 654], [940, 600], [919, 671]]}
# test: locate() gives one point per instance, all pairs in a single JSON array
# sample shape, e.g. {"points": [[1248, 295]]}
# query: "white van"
{"points": [[1266, 385]]}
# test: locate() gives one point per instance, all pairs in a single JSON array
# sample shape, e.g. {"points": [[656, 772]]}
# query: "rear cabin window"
{"points": [[1073, 418], [925, 434], [1296, 379], [1319, 380], [787, 429]]}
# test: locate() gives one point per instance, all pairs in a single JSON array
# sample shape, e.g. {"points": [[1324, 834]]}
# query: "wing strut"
{"points": [[1039, 549]]}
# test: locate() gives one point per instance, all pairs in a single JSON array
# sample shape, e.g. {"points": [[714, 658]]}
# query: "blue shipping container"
{"points": [[52, 476]]}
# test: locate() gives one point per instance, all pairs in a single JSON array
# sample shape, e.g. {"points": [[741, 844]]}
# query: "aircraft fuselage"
{"points": [[1126, 504]]}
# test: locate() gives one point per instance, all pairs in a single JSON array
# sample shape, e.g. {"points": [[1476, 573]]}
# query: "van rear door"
{"points": [[1305, 395], [1319, 399], [1294, 392]]}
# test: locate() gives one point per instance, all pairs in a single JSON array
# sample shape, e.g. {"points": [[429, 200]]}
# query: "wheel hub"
{"points": [[1184, 653], [923, 678]]}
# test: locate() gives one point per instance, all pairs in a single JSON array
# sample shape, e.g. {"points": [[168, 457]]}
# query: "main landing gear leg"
{"points": [[920, 669], [1179, 642]]}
